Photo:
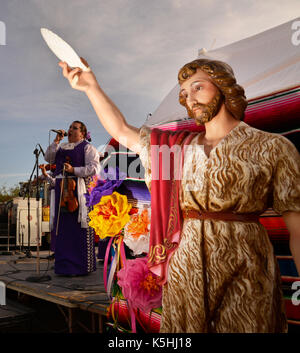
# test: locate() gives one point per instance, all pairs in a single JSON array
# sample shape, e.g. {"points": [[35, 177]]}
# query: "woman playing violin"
{"points": [[71, 238]]}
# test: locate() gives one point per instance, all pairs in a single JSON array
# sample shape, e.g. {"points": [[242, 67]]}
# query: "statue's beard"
{"points": [[207, 111]]}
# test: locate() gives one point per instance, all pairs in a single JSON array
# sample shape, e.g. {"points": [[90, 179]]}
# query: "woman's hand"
{"points": [[59, 136], [69, 168], [79, 79]]}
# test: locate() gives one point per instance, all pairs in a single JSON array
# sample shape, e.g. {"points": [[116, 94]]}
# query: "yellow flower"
{"points": [[110, 215]]}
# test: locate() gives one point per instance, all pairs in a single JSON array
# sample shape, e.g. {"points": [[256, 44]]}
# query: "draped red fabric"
{"points": [[166, 218]]}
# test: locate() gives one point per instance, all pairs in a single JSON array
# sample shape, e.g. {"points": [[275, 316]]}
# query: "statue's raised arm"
{"points": [[108, 113]]}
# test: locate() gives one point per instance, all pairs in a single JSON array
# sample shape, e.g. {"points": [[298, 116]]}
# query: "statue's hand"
{"points": [[79, 79]]}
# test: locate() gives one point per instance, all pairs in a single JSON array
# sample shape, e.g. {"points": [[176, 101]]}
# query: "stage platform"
{"points": [[70, 294], [13, 314]]}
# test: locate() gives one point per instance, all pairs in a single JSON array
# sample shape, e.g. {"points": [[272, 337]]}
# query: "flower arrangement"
{"points": [[114, 217]]}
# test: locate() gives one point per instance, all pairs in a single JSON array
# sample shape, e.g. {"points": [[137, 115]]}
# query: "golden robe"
{"points": [[224, 276]]}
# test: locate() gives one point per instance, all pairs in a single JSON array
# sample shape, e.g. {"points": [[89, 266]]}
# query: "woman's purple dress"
{"points": [[73, 245]]}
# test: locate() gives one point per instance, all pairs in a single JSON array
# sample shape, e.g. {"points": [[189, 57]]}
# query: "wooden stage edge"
{"points": [[87, 293]]}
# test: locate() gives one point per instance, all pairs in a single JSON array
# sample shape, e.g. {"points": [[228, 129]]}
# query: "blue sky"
{"points": [[135, 48]]}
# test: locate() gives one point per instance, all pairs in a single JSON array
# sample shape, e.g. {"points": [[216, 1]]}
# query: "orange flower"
{"points": [[107, 210], [149, 284], [138, 224]]}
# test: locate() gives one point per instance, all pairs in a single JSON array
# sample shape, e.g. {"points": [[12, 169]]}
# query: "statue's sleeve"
{"points": [[286, 192]]}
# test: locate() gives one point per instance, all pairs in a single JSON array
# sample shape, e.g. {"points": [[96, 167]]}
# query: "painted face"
{"points": [[74, 133], [201, 97]]}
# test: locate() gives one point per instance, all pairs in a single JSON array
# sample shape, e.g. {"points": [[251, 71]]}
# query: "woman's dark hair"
{"points": [[222, 76]]}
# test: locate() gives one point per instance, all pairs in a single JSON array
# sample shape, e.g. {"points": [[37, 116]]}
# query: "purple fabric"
{"points": [[135, 190], [102, 246], [106, 185], [76, 156], [73, 245]]}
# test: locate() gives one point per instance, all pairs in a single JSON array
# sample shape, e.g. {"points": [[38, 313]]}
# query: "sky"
{"points": [[134, 47]]}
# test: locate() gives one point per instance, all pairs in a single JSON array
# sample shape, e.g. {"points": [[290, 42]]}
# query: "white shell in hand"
{"points": [[62, 49]]}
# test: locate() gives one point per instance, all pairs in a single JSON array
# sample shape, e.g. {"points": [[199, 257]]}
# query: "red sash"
{"points": [[166, 216]]}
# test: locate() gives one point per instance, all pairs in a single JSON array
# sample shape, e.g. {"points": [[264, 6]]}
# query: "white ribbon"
{"points": [[113, 267], [52, 208], [82, 213]]}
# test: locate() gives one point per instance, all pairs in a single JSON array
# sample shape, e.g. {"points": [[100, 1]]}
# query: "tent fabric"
{"points": [[264, 64]]}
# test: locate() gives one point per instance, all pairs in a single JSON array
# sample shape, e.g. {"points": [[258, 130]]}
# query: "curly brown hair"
{"points": [[223, 77]]}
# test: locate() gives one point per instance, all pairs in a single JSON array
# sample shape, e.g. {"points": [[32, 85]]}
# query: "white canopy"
{"points": [[263, 64]]}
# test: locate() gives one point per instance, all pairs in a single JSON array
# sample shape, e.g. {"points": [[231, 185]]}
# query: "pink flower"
{"points": [[139, 285]]}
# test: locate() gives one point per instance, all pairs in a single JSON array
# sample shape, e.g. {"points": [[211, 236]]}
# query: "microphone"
{"points": [[59, 132], [41, 149]]}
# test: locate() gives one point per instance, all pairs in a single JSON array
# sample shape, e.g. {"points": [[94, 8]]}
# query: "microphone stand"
{"points": [[38, 277], [28, 192]]}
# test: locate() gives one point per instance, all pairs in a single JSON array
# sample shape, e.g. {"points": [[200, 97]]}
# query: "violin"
{"points": [[68, 199], [50, 167]]}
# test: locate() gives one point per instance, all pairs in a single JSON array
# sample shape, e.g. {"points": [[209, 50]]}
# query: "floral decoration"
{"points": [[88, 136], [93, 183], [136, 232], [110, 215], [139, 285], [139, 224]]}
